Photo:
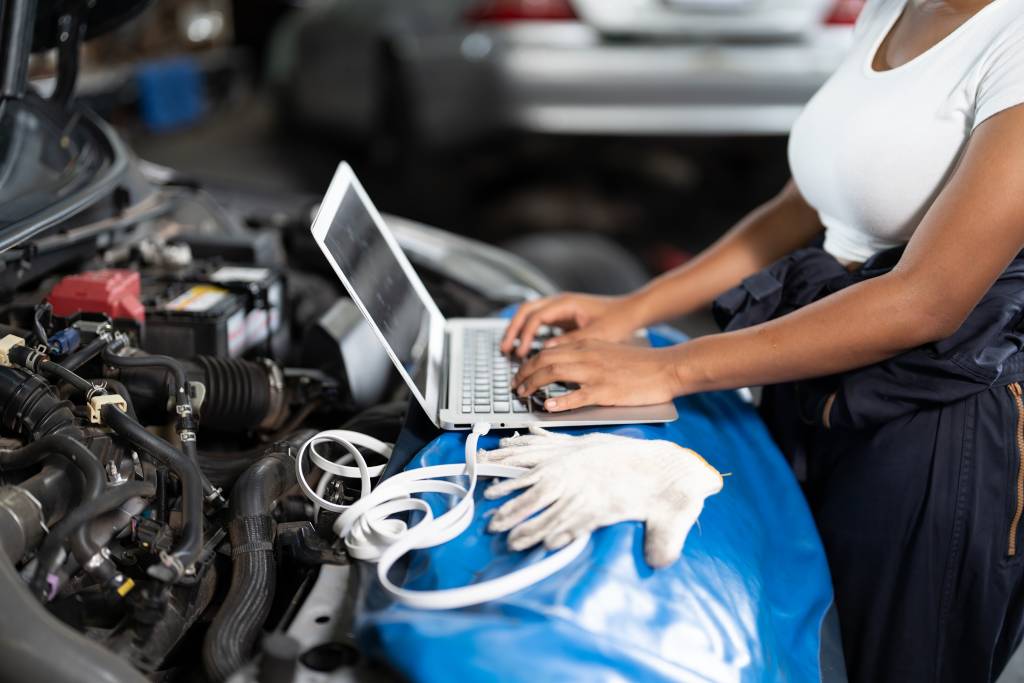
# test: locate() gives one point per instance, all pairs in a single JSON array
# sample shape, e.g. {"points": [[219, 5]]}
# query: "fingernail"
{"points": [[550, 404], [521, 390]]}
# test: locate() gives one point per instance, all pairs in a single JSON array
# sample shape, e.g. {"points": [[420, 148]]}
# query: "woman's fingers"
{"points": [[556, 311], [543, 359], [564, 338], [516, 324], [575, 373], [575, 399]]}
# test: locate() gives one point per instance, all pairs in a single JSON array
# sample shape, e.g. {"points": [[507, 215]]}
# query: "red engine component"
{"points": [[113, 292]]}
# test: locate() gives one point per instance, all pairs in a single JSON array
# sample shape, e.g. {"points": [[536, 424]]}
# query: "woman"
{"points": [[891, 355]]}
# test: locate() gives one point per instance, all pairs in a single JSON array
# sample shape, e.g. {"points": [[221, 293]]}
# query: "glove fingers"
{"points": [[504, 487], [524, 505], [523, 454], [529, 460], [569, 527], [665, 536], [520, 440], [532, 531], [537, 430]]}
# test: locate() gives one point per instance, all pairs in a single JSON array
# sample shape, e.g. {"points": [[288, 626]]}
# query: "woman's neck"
{"points": [[952, 6]]}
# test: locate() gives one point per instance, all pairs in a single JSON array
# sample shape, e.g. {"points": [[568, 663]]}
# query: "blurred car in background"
{"points": [[446, 72]]}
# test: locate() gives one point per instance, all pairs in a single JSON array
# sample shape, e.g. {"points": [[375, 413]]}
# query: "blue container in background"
{"points": [[171, 93]]}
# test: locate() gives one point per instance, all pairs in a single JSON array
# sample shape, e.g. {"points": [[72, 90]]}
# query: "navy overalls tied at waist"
{"points": [[916, 485]]}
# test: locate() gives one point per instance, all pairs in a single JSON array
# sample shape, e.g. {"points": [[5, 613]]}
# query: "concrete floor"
{"points": [[240, 147]]}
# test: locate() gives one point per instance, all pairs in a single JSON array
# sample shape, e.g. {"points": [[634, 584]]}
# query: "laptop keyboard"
{"points": [[487, 375]]}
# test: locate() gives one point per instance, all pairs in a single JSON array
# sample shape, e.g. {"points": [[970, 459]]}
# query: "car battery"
{"points": [[263, 290], [201, 319], [225, 311]]}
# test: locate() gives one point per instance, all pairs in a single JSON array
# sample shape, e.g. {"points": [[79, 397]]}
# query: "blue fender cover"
{"points": [[745, 602]]}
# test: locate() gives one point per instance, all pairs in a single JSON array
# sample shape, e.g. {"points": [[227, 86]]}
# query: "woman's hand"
{"points": [[607, 374], [583, 316]]}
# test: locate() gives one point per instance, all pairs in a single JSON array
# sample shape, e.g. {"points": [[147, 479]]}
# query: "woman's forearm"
{"points": [[771, 231], [861, 325]]}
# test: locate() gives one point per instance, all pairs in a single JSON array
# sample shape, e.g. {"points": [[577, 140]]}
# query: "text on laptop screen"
{"points": [[380, 284]]}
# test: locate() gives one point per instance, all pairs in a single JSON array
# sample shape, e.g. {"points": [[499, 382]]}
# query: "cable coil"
{"points": [[370, 533]]}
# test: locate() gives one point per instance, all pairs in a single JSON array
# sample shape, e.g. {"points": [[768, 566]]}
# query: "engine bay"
{"points": [[159, 370]]}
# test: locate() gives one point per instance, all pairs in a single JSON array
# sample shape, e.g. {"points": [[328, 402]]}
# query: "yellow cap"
{"points": [[126, 587]]}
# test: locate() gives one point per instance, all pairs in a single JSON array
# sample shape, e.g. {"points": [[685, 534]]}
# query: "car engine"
{"points": [[158, 371]]}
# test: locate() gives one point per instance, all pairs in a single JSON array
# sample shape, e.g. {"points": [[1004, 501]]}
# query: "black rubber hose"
{"points": [[84, 354], [81, 457], [64, 440], [224, 467], [190, 546], [72, 449], [36, 646], [77, 519], [29, 406], [176, 369], [234, 631], [48, 367], [239, 393], [182, 399]]}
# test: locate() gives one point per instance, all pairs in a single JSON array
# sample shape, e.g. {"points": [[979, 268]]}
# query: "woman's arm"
{"points": [[771, 231], [776, 228], [968, 237]]}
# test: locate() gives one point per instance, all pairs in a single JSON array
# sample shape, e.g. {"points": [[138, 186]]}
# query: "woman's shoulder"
{"points": [[999, 73]]}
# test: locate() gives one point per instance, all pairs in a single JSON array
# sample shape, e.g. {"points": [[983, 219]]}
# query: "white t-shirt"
{"points": [[873, 149]]}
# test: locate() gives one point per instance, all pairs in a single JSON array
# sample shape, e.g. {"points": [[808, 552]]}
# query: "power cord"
{"points": [[370, 533]]}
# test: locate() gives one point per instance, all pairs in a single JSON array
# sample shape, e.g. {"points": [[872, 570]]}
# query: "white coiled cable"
{"points": [[370, 532]]}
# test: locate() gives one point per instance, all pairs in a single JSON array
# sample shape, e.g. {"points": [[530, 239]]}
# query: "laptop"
{"points": [[452, 366]]}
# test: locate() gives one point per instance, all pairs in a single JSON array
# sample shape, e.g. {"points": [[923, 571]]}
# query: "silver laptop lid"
{"points": [[382, 283]]}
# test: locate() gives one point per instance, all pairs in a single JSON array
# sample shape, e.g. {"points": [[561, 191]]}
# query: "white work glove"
{"points": [[586, 482]]}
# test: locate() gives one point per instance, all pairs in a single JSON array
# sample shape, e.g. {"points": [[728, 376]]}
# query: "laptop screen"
{"points": [[376, 278]]}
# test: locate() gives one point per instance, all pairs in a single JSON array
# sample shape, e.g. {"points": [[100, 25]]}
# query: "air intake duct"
{"points": [[229, 393]]}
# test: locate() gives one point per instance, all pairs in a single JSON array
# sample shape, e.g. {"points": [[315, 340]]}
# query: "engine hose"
{"points": [[182, 399], [190, 546], [29, 634], [239, 394], [224, 467], [26, 508], [186, 424], [48, 367], [72, 450], [29, 406], [77, 519], [234, 630], [36, 646], [176, 369], [79, 455], [85, 354]]}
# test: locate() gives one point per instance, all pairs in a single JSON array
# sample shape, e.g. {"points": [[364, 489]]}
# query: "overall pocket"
{"points": [[1018, 398]]}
